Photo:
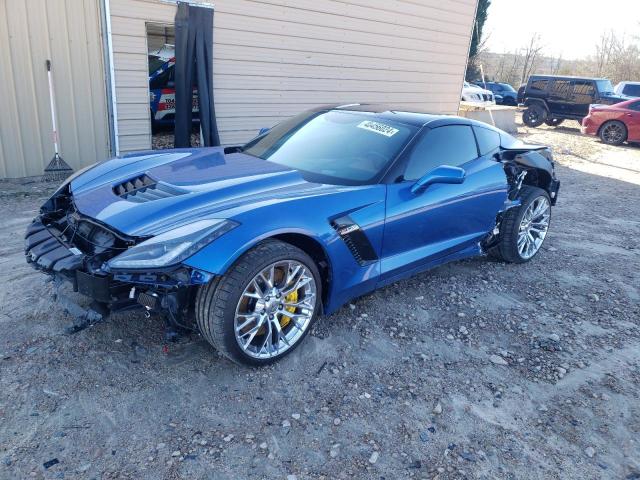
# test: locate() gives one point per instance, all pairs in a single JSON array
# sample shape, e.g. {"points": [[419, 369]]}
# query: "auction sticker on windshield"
{"points": [[380, 128]]}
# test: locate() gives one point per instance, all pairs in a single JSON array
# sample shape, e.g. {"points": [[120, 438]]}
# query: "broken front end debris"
{"points": [[76, 250]]}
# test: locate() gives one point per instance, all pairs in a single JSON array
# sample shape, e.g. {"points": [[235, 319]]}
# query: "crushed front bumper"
{"points": [[170, 291], [46, 250]]}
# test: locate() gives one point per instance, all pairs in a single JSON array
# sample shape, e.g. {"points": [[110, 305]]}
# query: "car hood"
{"points": [[184, 185], [477, 90]]}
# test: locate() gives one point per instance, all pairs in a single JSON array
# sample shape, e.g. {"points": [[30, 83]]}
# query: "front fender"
{"points": [[219, 256], [312, 218]]}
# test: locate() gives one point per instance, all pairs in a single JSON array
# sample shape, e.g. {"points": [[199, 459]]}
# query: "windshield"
{"points": [[335, 146], [508, 87], [155, 63], [604, 86], [632, 89]]}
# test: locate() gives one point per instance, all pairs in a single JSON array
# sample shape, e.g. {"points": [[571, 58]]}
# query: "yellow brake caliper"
{"points": [[291, 298]]}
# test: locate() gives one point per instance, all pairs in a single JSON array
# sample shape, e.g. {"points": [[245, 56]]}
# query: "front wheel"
{"points": [[523, 229], [263, 307]]}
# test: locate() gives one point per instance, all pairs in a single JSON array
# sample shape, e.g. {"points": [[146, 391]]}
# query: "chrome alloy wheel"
{"points": [[533, 227], [613, 133], [275, 309]]}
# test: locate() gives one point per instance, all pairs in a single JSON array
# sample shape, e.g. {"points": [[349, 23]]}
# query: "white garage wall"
{"points": [[67, 32], [275, 58]]}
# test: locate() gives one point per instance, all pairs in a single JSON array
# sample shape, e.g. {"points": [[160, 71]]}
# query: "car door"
{"points": [[442, 219], [584, 94], [559, 97], [632, 121]]}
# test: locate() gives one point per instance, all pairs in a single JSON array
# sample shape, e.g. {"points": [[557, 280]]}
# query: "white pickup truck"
{"points": [[474, 94]]}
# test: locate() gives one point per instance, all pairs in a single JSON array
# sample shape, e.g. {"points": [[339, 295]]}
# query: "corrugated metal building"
{"points": [[272, 59]]}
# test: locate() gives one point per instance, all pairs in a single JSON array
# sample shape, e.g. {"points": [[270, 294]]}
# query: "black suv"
{"points": [[551, 99]]}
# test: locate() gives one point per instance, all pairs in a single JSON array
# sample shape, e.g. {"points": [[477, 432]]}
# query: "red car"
{"points": [[614, 124]]}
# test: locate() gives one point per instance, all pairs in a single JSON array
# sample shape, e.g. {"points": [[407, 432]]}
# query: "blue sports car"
{"points": [[250, 244]]}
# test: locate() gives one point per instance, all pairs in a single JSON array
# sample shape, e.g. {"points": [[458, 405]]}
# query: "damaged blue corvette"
{"points": [[250, 244]]}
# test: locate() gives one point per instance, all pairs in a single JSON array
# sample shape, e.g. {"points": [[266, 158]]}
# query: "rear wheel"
{"points": [[523, 229], [553, 122], [263, 307], [613, 133], [534, 116]]}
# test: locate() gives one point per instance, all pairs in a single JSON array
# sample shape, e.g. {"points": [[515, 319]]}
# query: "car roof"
{"points": [[568, 77], [413, 116]]}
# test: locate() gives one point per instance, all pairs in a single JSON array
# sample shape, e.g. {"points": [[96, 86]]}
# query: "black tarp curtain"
{"points": [[194, 68]]}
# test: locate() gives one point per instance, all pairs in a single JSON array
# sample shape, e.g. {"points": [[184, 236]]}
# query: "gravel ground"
{"points": [[477, 369], [165, 139]]}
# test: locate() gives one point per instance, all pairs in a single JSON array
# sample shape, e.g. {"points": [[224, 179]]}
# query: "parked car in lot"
{"points": [[552, 99], [614, 124], [256, 241], [630, 89], [162, 90], [474, 94], [505, 94]]}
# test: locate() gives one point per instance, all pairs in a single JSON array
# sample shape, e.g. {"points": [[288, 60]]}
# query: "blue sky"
{"points": [[570, 27]]}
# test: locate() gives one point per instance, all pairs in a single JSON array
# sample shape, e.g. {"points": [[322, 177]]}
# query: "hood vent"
{"points": [[355, 239], [145, 189]]}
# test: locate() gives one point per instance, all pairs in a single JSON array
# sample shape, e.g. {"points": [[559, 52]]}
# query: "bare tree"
{"points": [[530, 55], [604, 49], [556, 64], [617, 57]]}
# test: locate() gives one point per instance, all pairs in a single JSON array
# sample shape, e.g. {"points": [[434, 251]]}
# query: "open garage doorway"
{"points": [[162, 90]]}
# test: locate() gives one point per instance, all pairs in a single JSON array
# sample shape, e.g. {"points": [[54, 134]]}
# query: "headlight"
{"points": [[173, 246]]}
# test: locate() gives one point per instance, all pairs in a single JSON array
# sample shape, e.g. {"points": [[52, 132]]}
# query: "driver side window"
{"points": [[452, 145]]}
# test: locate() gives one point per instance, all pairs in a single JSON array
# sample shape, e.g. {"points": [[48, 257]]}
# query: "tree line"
{"points": [[615, 56]]}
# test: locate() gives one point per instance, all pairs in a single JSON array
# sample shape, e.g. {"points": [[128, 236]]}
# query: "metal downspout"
{"points": [[111, 77]]}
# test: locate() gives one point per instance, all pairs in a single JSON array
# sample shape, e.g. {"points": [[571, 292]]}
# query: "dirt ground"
{"points": [[477, 369]]}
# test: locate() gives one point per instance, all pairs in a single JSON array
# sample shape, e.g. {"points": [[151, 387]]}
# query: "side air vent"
{"points": [[145, 189], [355, 239]]}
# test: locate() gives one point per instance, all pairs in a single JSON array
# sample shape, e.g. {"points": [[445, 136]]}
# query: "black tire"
{"points": [[534, 116], [553, 122], [216, 302], [507, 247], [613, 132]]}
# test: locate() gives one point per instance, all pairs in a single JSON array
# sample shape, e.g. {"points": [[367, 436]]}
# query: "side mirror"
{"points": [[441, 174], [263, 130]]}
